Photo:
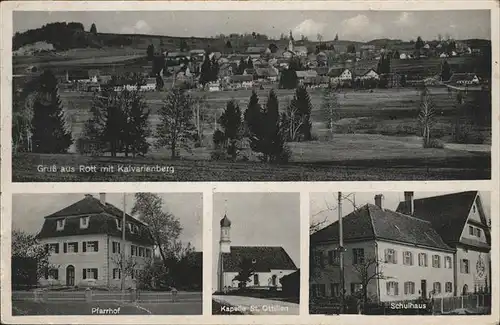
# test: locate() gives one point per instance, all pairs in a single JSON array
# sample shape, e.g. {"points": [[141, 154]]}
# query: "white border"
{"points": [[7, 188]]}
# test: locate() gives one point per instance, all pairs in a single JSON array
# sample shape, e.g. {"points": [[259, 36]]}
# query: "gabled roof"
{"points": [[336, 72], [266, 258], [255, 49], [266, 72], [461, 77], [373, 223], [307, 74], [447, 213], [102, 221]]}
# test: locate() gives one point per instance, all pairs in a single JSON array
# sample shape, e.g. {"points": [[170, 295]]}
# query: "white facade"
{"points": [[346, 75], [101, 266]]}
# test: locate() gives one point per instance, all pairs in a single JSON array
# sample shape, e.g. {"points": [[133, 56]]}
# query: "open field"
{"points": [[448, 165]]}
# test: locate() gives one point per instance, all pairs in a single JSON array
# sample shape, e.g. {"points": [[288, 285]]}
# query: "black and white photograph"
{"points": [[408, 253], [107, 254], [219, 95], [256, 254]]}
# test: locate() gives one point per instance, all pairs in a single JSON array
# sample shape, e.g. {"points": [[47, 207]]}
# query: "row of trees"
{"points": [[176, 264]]}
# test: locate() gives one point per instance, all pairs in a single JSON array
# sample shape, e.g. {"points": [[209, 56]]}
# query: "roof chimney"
{"points": [[379, 198], [409, 202], [102, 198]]}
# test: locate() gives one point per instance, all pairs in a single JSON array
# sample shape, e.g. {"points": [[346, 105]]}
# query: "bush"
{"points": [[434, 143], [464, 133]]}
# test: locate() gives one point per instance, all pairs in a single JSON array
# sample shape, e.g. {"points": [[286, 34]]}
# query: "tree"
{"points": [[241, 67], [252, 116], [336, 37], [176, 129], [229, 46], [273, 48], [419, 44], [164, 227], [206, 71], [119, 122], [150, 52], [445, 71], [301, 107], [29, 260], [231, 123], [126, 265], [48, 125], [200, 118], [330, 108], [367, 270], [159, 82], [319, 37], [183, 45], [351, 48], [214, 69], [93, 29], [426, 116], [247, 270]]}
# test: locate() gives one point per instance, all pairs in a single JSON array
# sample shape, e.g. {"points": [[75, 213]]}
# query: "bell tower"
{"points": [[224, 248]]}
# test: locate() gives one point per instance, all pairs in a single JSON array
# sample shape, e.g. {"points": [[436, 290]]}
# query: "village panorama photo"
{"points": [[262, 95], [401, 253], [107, 254]]}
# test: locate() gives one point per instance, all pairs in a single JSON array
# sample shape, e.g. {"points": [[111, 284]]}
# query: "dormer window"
{"points": [[118, 224], [60, 224], [84, 222]]}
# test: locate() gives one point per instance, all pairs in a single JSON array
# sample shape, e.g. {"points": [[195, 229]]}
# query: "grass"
{"points": [[349, 164]]}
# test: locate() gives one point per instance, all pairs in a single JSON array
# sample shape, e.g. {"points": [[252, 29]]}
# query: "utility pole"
{"points": [[341, 255], [123, 251]]}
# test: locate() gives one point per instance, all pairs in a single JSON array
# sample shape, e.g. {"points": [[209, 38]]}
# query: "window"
{"points": [[132, 228], [356, 287], [474, 209], [71, 247], [358, 256], [51, 273], [60, 224], [117, 274], [116, 247], [333, 257], [407, 258], [255, 279], [90, 274], [409, 288], [390, 256], [464, 266], [436, 287], [148, 252], [478, 232], [90, 246], [422, 259], [334, 289], [53, 248], [133, 250], [84, 222], [436, 261], [118, 224], [448, 287], [392, 288], [447, 262], [141, 251], [471, 230]]}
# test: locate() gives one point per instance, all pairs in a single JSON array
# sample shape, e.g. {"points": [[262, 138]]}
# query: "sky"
{"points": [[323, 205], [349, 25], [29, 210], [258, 219]]}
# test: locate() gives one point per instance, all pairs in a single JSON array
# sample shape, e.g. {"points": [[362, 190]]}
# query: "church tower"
{"points": [[290, 42], [224, 248]]}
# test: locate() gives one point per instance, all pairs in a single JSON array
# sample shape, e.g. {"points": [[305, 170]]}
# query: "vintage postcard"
{"points": [[251, 95], [250, 162]]}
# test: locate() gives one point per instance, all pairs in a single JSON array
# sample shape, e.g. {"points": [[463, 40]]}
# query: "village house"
{"points": [[364, 74], [85, 244], [270, 263], [462, 79], [240, 81], [431, 247], [307, 76], [268, 73], [340, 76]]}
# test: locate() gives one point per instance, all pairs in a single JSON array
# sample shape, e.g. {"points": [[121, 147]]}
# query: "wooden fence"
{"points": [[474, 302]]}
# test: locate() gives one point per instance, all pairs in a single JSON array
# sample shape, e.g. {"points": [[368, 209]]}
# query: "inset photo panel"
{"points": [[107, 254], [400, 253], [256, 254]]}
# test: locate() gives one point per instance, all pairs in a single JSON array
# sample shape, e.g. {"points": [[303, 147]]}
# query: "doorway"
{"points": [[423, 288], [70, 276]]}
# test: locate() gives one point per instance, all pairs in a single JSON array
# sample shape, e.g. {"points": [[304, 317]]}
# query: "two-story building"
{"points": [[86, 245], [401, 256]]}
